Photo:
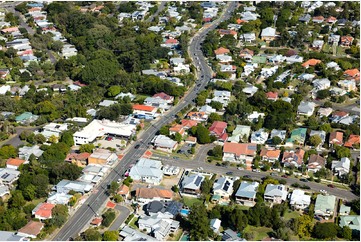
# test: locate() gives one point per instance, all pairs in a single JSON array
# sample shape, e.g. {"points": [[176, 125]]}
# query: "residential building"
{"points": [[294, 59], [279, 133], [147, 170], [298, 136], [259, 137], [334, 39], [145, 195], [99, 128], [344, 210], [157, 226], [59, 198], [268, 34], [191, 184], [123, 95], [273, 96], [324, 112], [230, 235], [321, 134], [248, 37], [246, 54], [26, 118], [270, 155], [321, 84], [352, 221], [336, 138], [207, 109], [169, 99], [275, 193], [80, 159], [4, 190], [15, 163], [187, 124], [197, 116], [325, 205], [102, 157], [107, 103], [26, 151], [218, 128], [315, 163], [8, 176], [223, 187], [157, 102], [317, 44], [306, 108], [164, 143], [240, 133], [223, 32], [352, 73], [221, 51], [346, 41], [246, 193], [250, 90], [341, 167], [311, 62], [65, 186], [177, 128], [352, 141], [299, 200], [348, 85], [293, 158], [124, 191], [43, 211], [305, 18], [318, 19], [11, 236], [31, 229], [254, 116], [236, 152], [215, 225], [130, 234], [144, 111]]}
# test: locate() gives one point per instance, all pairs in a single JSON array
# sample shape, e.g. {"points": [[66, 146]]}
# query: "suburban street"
{"points": [[160, 9], [85, 213], [123, 215]]}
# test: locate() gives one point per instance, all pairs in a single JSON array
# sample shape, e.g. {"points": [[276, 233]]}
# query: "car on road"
{"points": [[137, 146], [303, 180], [247, 176], [229, 173], [240, 168], [256, 170], [323, 191], [175, 157], [331, 185], [274, 174], [284, 176]]}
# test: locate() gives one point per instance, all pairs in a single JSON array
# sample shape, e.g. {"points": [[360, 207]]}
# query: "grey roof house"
{"points": [[191, 184], [147, 170], [246, 193]]}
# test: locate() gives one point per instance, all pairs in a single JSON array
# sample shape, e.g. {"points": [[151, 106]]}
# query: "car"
{"points": [[274, 174], [284, 176], [303, 180], [109, 138], [247, 176], [137, 146], [229, 173], [323, 191], [331, 185], [175, 157], [240, 168], [318, 218]]}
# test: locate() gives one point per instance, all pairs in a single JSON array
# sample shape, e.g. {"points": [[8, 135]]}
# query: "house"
{"points": [[3, 74], [299, 200], [123, 191], [158, 226], [187, 124], [248, 37], [26, 117], [259, 137], [317, 44], [334, 39], [11, 236], [352, 141], [352, 73], [169, 99], [102, 157], [43, 211], [306, 77], [241, 132], [236, 152], [96, 222], [99, 128], [268, 34], [305, 18], [4, 190], [164, 143], [223, 32], [191, 140], [279, 133], [324, 112], [170, 170], [352, 221], [144, 111], [315, 163], [130, 234], [311, 62], [254, 116], [147, 170], [156, 102], [8, 176], [336, 138], [177, 128], [321, 84], [341, 167], [344, 210], [215, 225], [228, 68], [230, 235], [346, 41], [249, 16], [298, 136], [218, 128], [246, 193], [294, 59], [221, 51], [321, 134], [123, 95], [275, 193], [207, 109], [197, 116], [331, 20], [107, 103], [270, 155], [31, 229], [25, 152], [223, 187], [220, 96], [250, 90], [145, 195], [15, 163], [65, 186], [59, 198], [325, 205], [246, 54], [293, 158], [80, 159], [52, 129], [176, 61], [348, 85], [191, 184], [338, 115], [306, 108], [318, 19], [273, 96]]}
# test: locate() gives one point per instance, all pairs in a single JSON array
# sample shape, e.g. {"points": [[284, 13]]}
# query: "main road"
{"points": [[83, 215]]}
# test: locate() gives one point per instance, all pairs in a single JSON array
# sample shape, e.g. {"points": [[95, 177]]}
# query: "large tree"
{"points": [[199, 223]]}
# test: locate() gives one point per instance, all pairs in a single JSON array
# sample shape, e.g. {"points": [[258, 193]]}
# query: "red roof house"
{"points": [[346, 41], [311, 62], [43, 211], [14, 163], [110, 204], [352, 140], [352, 73], [336, 138], [31, 229], [164, 96], [187, 123], [221, 51], [218, 128], [96, 221], [272, 96]]}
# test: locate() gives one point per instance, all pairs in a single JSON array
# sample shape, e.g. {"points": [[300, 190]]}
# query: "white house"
{"points": [[164, 143], [250, 90], [254, 116], [306, 108], [341, 167], [215, 225], [259, 137], [275, 193], [158, 226], [299, 200], [321, 84], [325, 205], [223, 187], [147, 170], [246, 193]]}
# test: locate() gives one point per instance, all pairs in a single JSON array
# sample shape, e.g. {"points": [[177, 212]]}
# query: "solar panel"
{"points": [[198, 181], [226, 185], [6, 175]]}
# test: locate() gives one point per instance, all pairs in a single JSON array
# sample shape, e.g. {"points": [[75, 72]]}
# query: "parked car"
{"points": [[303, 180], [256, 170], [137, 146], [284, 176], [230, 173], [331, 185], [274, 174], [240, 168], [247, 176], [323, 191]]}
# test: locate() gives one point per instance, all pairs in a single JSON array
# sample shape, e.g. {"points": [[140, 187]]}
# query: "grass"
{"points": [[132, 223], [176, 236], [189, 201], [260, 232], [291, 214], [36, 201]]}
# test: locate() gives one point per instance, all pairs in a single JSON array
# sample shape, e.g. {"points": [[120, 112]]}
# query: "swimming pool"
{"points": [[184, 212], [185, 237]]}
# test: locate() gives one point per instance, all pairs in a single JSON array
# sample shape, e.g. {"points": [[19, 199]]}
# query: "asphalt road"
{"points": [[160, 9], [82, 217], [15, 141], [124, 213], [352, 108]]}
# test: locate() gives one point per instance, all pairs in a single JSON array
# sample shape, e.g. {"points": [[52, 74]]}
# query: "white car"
{"points": [[323, 191], [240, 168]]}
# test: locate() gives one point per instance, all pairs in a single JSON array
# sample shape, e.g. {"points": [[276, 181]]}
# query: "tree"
{"points": [[217, 151], [8, 151], [67, 138], [346, 233], [326, 127], [92, 234], [17, 200], [315, 140], [113, 91], [199, 223], [108, 218], [325, 230], [59, 215], [39, 139], [216, 105], [214, 117], [87, 148], [206, 186], [57, 46], [178, 137], [342, 151], [113, 187], [110, 236], [175, 188], [29, 192], [164, 130], [322, 94], [100, 71], [276, 140], [203, 134], [118, 198], [304, 227]]}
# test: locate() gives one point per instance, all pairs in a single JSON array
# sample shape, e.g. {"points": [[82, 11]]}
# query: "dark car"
{"points": [[229, 173], [331, 185], [303, 180], [137, 146], [247, 176], [284, 176]]}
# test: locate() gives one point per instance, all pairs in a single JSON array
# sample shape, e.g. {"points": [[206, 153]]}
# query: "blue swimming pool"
{"points": [[185, 237], [184, 212]]}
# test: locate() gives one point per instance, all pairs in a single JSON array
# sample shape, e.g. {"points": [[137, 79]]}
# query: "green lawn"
{"points": [[189, 201], [132, 223], [260, 232], [291, 214]]}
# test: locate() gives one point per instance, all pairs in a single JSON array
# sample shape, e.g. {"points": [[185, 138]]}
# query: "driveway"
{"points": [[124, 213]]}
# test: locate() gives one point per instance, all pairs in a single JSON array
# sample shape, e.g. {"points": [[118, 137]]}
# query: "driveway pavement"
{"points": [[124, 213]]}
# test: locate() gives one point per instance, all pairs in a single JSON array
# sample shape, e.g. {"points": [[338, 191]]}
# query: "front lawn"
{"points": [[189, 201], [259, 232], [291, 214]]}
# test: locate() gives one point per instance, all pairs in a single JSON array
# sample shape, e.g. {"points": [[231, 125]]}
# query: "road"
{"points": [[84, 214], [352, 108], [124, 213], [15, 141], [160, 9]]}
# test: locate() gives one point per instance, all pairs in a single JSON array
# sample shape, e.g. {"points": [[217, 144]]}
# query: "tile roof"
{"points": [[240, 21], [189, 123], [75, 156], [271, 95], [143, 107], [218, 127], [144, 192], [123, 190], [316, 160], [346, 39], [240, 149], [163, 96], [353, 139], [177, 128], [14, 162], [336, 138], [294, 156], [311, 62], [221, 51], [110, 204], [270, 153], [352, 72], [96, 221], [44, 210], [32, 228]]}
